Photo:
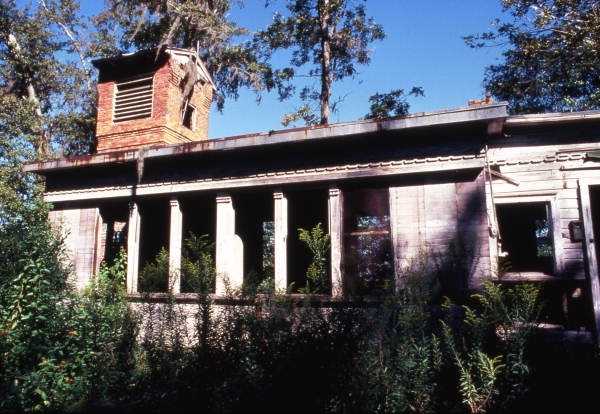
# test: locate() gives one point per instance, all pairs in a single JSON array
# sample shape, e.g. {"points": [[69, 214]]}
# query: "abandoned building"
{"points": [[515, 198]]}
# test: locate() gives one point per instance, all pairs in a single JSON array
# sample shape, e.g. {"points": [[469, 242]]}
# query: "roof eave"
{"points": [[287, 136], [552, 118]]}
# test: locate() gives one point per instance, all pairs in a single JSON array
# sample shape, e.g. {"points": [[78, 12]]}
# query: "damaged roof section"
{"points": [[120, 65], [295, 136]]}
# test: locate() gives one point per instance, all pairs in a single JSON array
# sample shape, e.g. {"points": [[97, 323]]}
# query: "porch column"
{"points": [[175, 239], [281, 233], [230, 249], [335, 235], [133, 247]]}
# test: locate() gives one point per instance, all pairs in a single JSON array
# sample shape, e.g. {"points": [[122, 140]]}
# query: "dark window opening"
{"points": [[367, 259], [198, 244], [526, 237], [154, 244], [254, 225], [306, 209], [188, 117], [114, 218]]}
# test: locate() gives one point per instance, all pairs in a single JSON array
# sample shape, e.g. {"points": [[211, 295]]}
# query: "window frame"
{"points": [[551, 200], [346, 234]]}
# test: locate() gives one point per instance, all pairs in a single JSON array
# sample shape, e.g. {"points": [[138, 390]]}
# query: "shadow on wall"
{"points": [[442, 226]]}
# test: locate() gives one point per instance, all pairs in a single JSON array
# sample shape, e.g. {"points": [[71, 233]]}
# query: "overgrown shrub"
{"points": [[198, 273], [154, 276], [61, 349], [407, 352], [403, 356], [317, 242], [489, 342]]}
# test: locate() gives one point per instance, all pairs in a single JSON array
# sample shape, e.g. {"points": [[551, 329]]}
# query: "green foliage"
{"points": [[332, 38], [198, 271], [478, 375], [500, 322], [206, 25], [60, 349], [551, 55], [317, 241], [45, 75], [390, 104], [259, 282], [154, 277]]}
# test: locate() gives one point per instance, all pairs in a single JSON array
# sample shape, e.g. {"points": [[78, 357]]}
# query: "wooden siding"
{"points": [[79, 228], [547, 171], [439, 222]]}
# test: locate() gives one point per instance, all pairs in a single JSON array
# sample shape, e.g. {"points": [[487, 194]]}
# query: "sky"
{"points": [[423, 47]]}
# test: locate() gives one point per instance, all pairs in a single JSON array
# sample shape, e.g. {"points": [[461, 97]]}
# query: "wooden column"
{"points": [[230, 250], [175, 239], [336, 218], [395, 229], [133, 247], [590, 249], [281, 233]]}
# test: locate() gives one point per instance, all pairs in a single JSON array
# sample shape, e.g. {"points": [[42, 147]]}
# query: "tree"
{"points": [[551, 60], [203, 25], [393, 103], [330, 36], [45, 77]]}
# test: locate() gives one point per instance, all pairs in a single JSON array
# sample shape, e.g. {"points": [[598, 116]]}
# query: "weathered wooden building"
{"points": [[512, 198]]}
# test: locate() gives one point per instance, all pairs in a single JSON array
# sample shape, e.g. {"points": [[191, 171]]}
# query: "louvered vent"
{"points": [[133, 99]]}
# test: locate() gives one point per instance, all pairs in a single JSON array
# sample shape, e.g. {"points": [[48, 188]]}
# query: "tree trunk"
{"points": [[41, 145], [325, 60]]}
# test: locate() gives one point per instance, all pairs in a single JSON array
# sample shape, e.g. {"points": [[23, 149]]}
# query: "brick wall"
{"points": [[164, 127]]}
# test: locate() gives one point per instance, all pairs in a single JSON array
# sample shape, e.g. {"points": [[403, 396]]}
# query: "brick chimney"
{"points": [[140, 99]]}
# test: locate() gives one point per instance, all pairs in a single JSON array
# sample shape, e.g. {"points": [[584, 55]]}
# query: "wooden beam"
{"points": [[325, 174], [504, 177]]}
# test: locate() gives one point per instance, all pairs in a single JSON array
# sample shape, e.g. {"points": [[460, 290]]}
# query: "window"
{"points": [[114, 216], [154, 245], [254, 225], [189, 117], [526, 237], [368, 259], [133, 99]]}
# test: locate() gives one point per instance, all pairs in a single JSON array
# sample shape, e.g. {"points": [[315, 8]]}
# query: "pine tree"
{"points": [[332, 37]]}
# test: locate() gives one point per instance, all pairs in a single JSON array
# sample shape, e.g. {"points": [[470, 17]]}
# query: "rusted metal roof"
{"points": [[295, 136]]}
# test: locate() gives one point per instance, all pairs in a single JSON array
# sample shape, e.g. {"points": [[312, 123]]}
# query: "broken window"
{"points": [[114, 228], [526, 237], [133, 99], [367, 259], [189, 117]]}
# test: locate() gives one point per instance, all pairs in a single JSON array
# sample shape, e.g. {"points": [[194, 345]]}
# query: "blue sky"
{"points": [[423, 47]]}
